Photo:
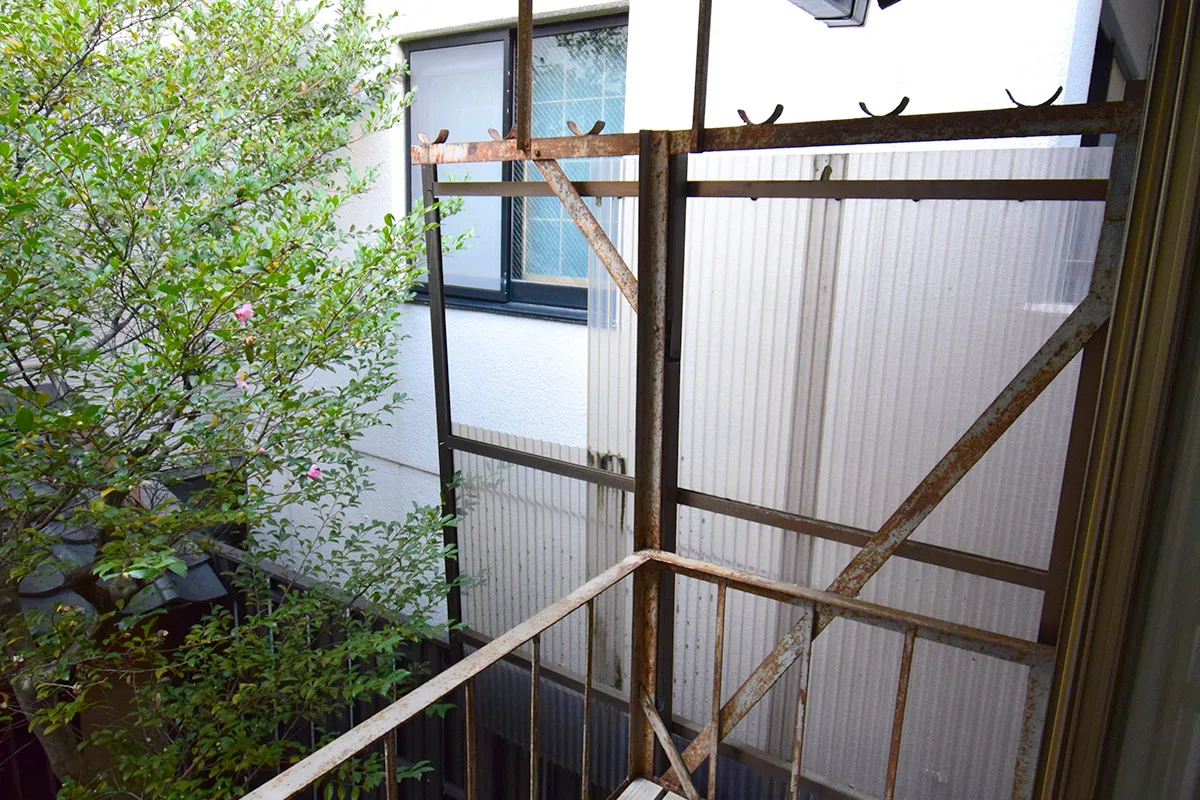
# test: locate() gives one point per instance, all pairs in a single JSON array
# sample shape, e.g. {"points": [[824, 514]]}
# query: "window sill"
{"points": [[577, 316]]}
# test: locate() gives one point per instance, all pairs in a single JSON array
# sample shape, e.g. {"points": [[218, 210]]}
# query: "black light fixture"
{"points": [[837, 13]]}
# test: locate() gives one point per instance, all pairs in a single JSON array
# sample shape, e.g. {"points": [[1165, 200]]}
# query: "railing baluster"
{"points": [[1033, 720], [472, 756], [535, 679], [910, 639], [585, 761], [807, 620], [391, 785], [718, 672]]}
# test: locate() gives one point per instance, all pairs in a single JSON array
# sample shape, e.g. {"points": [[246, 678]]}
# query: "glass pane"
{"points": [[580, 77], [462, 89]]}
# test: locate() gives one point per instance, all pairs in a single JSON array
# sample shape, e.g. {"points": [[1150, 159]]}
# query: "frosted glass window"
{"points": [[577, 76], [462, 89]]}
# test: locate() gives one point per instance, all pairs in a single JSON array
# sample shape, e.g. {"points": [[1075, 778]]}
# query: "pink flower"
{"points": [[262, 451], [243, 313], [314, 472], [240, 380]]}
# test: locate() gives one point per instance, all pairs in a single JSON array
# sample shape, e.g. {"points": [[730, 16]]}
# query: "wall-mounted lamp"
{"points": [[837, 13]]}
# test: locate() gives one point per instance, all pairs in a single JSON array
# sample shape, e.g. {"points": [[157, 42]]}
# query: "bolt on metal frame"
{"points": [[656, 295]]}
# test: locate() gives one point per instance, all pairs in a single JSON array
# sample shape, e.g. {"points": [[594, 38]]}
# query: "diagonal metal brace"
{"points": [[664, 739], [1062, 346], [582, 216]]}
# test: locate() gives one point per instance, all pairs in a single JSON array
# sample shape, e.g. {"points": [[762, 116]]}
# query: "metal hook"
{"points": [[1019, 104], [599, 126], [895, 112], [442, 136], [495, 134], [776, 114]]}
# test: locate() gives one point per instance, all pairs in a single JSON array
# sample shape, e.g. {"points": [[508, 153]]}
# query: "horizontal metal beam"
{"points": [[970, 563], [532, 189], [363, 735], [1004, 123], [961, 561], [555, 466], [965, 637], [1049, 189]]}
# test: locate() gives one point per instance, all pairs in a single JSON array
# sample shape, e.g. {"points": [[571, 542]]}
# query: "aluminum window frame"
{"points": [[526, 298]]}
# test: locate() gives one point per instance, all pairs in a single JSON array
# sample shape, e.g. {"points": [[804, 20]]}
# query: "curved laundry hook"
{"points": [[776, 114], [895, 112], [596, 128], [442, 136], [1019, 104]]}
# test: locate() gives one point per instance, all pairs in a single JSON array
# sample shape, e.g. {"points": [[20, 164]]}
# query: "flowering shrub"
{"points": [[172, 274]]}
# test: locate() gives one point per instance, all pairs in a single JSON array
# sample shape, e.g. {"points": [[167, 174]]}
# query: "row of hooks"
{"points": [[596, 128], [899, 109]]}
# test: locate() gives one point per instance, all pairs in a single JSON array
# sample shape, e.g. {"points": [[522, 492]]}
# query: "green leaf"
{"points": [[24, 419]]}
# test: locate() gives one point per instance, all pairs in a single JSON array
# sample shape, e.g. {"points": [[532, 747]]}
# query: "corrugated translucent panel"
{"points": [[833, 351], [522, 542]]}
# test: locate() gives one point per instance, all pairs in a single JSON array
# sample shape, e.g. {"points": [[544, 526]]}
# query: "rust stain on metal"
{"points": [[1063, 345], [1033, 721], [1003, 123], [391, 784], [524, 99], [585, 760], [583, 218], [906, 657]]}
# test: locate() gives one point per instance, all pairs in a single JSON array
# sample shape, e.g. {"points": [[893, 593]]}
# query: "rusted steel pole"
{"points": [[1033, 723], [718, 673], [650, 639], [585, 758], [700, 87], [524, 98], [583, 218], [805, 661], [535, 737], [1109, 251], [391, 784], [906, 657], [472, 754]]}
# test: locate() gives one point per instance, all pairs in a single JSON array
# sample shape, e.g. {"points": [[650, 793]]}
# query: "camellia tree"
{"points": [[179, 305]]}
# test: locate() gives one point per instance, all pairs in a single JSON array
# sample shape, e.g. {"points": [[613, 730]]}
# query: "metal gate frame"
{"points": [[656, 295]]}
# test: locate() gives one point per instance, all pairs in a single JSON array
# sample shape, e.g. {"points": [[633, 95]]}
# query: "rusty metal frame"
{"points": [[653, 562], [662, 189]]}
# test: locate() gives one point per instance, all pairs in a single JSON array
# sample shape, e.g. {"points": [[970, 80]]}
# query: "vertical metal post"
{"points": [[585, 758], [906, 657], [1033, 722], [1070, 503], [662, 210], [441, 389], [535, 681], [718, 674], [391, 785], [648, 432], [700, 89], [805, 640], [524, 98], [472, 754]]}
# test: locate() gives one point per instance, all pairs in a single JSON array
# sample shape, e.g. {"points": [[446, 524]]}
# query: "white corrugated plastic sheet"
{"points": [[833, 351]]}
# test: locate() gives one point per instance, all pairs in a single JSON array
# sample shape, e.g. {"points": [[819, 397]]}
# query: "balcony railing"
{"points": [[817, 607]]}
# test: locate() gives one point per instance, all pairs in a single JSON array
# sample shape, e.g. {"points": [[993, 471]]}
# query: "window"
{"points": [[525, 254]]}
